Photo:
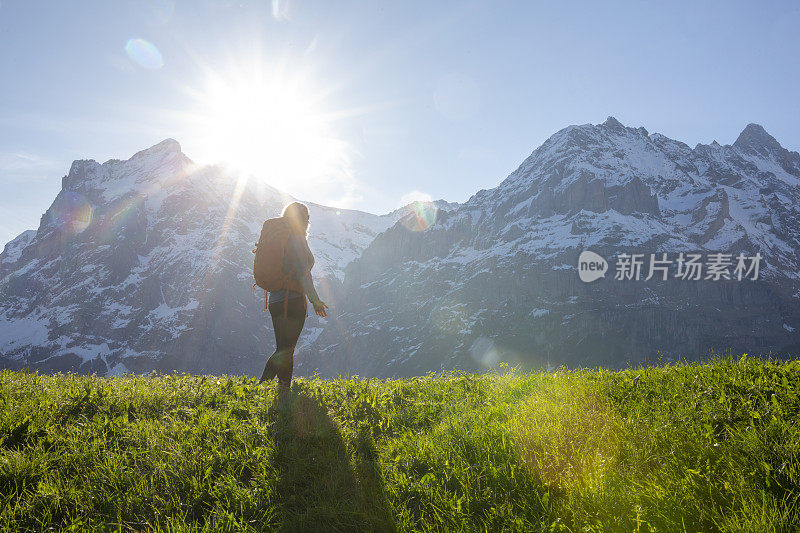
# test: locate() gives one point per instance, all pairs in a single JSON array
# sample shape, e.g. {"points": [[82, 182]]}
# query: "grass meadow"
{"points": [[688, 447]]}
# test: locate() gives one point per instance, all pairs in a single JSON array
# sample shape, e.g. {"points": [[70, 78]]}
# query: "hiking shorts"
{"points": [[295, 308]]}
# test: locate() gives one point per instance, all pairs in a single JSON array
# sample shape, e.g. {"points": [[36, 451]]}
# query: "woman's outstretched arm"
{"points": [[308, 287], [298, 264]]}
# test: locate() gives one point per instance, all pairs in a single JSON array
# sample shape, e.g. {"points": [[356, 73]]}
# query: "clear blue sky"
{"points": [[440, 97]]}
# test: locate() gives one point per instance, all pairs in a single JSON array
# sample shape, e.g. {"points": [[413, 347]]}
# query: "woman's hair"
{"points": [[297, 214]]}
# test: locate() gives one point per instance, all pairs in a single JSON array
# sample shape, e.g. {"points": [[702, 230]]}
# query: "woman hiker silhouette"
{"points": [[288, 317]]}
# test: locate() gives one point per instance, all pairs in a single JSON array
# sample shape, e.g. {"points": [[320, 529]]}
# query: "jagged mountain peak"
{"points": [[13, 249], [754, 138], [610, 167], [161, 276], [115, 177], [440, 204], [583, 135], [166, 146], [158, 150], [613, 123], [146, 262], [755, 141], [497, 278]]}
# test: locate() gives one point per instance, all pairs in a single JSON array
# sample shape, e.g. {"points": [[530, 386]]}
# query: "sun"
{"points": [[272, 128]]}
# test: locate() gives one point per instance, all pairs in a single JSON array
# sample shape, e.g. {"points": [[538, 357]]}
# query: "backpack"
{"points": [[268, 262]]}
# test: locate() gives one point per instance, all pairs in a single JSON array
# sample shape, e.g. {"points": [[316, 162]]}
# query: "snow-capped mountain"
{"points": [[496, 279], [146, 264], [13, 249]]}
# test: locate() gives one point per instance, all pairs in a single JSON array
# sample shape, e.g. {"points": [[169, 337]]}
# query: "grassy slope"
{"points": [[712, 447]]}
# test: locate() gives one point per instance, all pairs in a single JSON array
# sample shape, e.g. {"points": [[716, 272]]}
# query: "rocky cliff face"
{"points": [[146, 264], [495, 279]]}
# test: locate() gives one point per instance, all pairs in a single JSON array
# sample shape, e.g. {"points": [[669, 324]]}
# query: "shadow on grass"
{"points": [[319, 488]]}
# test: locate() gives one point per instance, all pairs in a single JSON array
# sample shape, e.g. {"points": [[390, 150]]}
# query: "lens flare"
{"points": [[71, 212], [112, 223], [484, 352], [144, 54], [566, 434], [422, 216]]}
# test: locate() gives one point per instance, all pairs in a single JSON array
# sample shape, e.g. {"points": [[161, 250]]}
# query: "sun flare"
{"points": [[273, 129]]}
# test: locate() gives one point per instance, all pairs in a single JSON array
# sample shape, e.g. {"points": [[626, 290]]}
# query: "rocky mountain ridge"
{"points": [[495, 279], [145, 264]]}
